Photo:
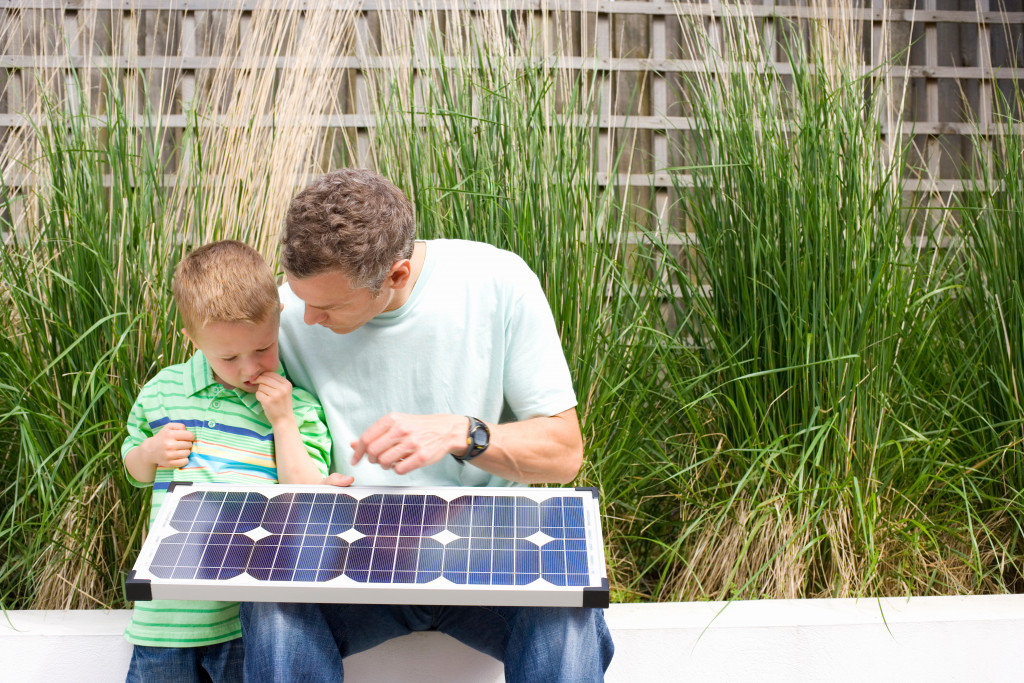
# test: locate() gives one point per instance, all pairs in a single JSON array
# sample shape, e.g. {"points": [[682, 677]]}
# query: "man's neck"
{"points": [[419, 254]]}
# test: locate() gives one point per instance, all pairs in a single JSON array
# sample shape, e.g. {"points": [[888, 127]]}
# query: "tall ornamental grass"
{"points": [[789, 408], [84, 277], [992, 216], [810, 465], [991, 313]]}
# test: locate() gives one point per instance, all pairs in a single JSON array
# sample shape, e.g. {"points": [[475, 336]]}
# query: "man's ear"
{"points": [[400, 273]]}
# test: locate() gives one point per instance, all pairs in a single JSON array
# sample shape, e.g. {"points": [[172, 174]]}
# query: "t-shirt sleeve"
{"points": [[537, 380], [309, 415], [138, 431]]}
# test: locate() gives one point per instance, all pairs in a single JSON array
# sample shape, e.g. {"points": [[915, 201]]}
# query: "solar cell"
{"points": [[447, 545]]}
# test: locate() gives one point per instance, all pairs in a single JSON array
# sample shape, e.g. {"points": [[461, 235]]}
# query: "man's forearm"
{"points": [[545, 450], [541, 450]]}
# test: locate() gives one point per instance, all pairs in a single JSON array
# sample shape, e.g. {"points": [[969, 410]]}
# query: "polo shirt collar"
{"points": [[199, 376]]}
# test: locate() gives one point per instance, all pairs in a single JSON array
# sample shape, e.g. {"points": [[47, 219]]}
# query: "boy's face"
{"points": [[239, 352]]}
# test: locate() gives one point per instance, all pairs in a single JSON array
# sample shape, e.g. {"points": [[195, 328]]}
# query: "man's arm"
{"points": [[540, 450]]}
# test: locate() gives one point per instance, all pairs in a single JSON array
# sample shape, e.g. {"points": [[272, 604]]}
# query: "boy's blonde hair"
{"points": [[224, 282]]}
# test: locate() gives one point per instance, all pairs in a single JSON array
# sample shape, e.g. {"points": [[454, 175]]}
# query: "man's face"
{"points": [[332, 302], [239, 352]]}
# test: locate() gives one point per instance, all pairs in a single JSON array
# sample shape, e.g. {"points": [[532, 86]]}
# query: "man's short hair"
{"points": [[224, 282], [351, 220]]}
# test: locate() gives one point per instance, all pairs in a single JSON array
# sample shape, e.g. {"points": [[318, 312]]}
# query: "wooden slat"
{"points": [[13, 179], [604, 122], [612, 7], [612, 65]]}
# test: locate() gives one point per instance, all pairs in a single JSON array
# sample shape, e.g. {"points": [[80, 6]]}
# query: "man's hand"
{"points": [[169, 447], [275, 395], [403, 443]]}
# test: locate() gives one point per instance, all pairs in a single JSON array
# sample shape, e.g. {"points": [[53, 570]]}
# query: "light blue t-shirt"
{"points": [[476, 337]]}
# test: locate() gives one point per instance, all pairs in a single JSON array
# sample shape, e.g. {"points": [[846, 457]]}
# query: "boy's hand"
{"points": [[275, 395], [169, 447], [335, 479]]}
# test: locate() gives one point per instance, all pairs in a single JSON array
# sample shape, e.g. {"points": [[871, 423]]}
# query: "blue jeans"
{"points": [[305, 642], [220, 663]]}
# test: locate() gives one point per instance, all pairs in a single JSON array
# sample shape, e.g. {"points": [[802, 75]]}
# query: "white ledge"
{"points": [[975, 638]]}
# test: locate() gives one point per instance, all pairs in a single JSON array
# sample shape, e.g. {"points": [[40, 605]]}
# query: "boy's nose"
{"points": [[252, 370]]}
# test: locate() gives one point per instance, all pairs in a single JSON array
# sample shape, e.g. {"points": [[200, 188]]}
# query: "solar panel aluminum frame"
{"points": [[143, 584]]}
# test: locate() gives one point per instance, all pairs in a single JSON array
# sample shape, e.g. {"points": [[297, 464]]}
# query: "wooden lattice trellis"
{"points": [[953, 55]]}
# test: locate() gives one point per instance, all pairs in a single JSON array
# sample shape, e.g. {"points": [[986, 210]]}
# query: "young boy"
{"points": [[227, 415]]}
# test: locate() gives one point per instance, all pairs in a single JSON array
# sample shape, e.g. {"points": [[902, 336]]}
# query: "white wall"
{"points": [[921, 639]]}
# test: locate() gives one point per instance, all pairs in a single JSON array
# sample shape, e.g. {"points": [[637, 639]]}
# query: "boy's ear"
{"points": [[185, 334]]}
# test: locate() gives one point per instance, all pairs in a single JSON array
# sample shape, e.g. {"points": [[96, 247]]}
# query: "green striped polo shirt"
{"points": [[233, 444]]}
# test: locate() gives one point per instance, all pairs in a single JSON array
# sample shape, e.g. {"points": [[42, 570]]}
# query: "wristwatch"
{"points": [[477, 440]]}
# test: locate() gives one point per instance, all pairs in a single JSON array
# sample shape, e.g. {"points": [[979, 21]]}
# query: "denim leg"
{"points": [[301, 642], [223, 661], [164, 665], [535, 643], [287, 642], [306, 642]]}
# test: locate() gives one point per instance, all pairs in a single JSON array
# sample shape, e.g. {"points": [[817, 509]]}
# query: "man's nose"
{"points": [[311, 316]]}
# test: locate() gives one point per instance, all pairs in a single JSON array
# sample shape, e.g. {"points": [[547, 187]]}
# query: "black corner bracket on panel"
{"points": [[174, 484], [592, 489], [137, 589], [596, 597]]}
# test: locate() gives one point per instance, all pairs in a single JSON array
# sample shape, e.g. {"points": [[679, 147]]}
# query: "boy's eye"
{"points": [[229, 359], [265, 348]]}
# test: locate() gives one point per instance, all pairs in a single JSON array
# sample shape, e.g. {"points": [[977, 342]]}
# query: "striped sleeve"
{"points": [[313, 428], [138, 431]]}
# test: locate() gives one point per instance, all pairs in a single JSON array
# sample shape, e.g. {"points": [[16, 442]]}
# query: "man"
{"points": [[437, 364]]}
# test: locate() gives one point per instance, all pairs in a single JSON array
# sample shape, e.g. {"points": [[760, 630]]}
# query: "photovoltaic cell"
{"points": [[416, 546]]}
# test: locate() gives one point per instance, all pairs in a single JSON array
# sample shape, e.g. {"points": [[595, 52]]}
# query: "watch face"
{"points": [[479, 437]]}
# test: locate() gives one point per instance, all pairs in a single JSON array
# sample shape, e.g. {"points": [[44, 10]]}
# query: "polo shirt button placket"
{"points": [[215, 404]]}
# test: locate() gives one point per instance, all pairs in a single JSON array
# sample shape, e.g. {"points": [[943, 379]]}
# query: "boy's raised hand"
{"points": [[275, 395], [170, 447]]}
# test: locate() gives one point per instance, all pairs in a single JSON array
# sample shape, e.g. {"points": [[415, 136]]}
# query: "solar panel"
{"points": [[373, 545]]}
